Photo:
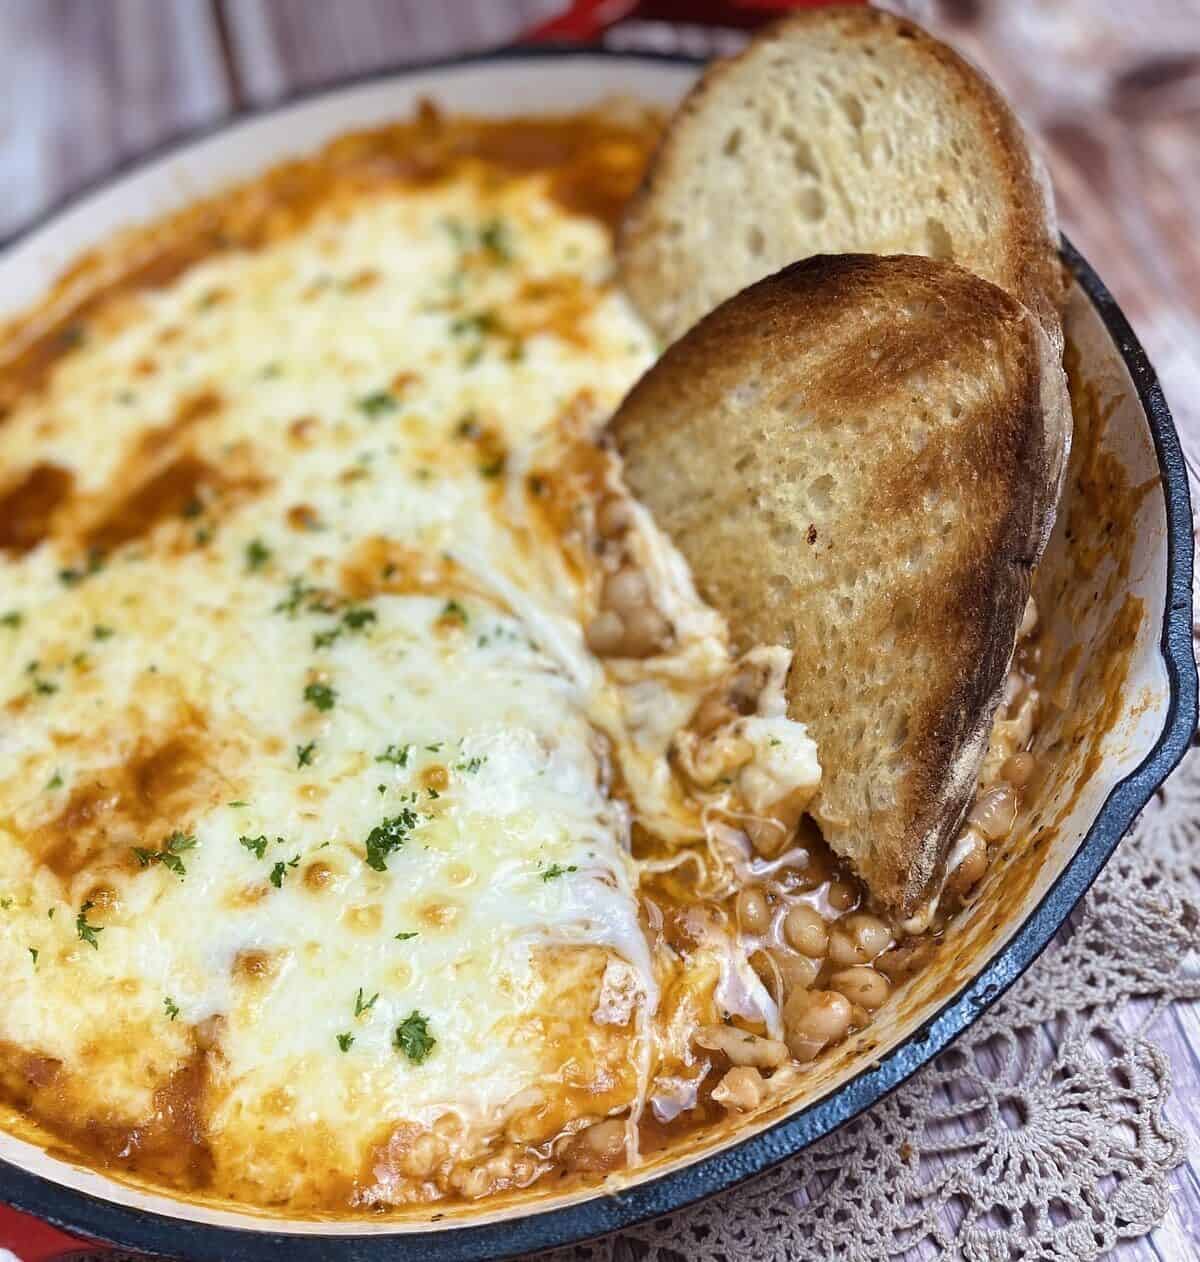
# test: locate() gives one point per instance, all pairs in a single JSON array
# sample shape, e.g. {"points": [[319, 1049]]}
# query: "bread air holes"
{"points": [[938, 244], [811, 204], [820, 493]]}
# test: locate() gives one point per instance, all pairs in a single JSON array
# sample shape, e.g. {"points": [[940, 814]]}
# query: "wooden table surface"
{"points": [[1113, 87]]}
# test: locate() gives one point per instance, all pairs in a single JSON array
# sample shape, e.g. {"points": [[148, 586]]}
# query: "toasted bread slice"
{"points": [[838, 130], [860, 457]]}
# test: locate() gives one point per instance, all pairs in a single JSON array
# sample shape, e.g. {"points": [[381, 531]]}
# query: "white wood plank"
{"points": [[84, 85], [282, 47]]}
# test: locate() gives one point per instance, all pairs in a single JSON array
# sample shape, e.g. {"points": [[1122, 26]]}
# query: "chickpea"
{"points": [[798, 972], [842, 896], [605, 634], [767, 836], [614, 517], [741, 1047], [814, 1018], [646, 631], [752, 911], [741, 1089], [862, 985], [995, 812], [1018, 769], [599, 1147], [625, 591], [805, 931], [971, 867], [859, 939]]}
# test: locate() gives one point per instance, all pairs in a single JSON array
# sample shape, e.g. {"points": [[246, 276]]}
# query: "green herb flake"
{"points": [[413, 1037], [471, 765], [55, 781], [454, 612], [324, 639], [101, 632], [322, 696], [279, 871], [345, 1041], [44, 687], [557, 870], [397, 755], [257, 555], [5, 904], [256, 845], [33, 955], [404, 937], [171, 1008], [389, 836], [304, 754], [358, 617], [175, 845], [494, 239], [362, 1005], [87, 933], [13, 618], [373, 406]]}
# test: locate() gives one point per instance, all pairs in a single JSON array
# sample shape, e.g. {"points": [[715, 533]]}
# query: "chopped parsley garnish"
{"points": [[376, 405], [279, 871], [101, 632], [433, 749], [358, 617], [304, 754], [171, 1008], [13, 618], [494, 239], [364, 1005], [298, 592], [354, 619], [5, 904], [175, 845], [44, 687], [454, 612], [345, 1041], [481, 323], [389, 836], [88, 933], [256, 845], [33, 955], [397, 755], [556, 870], [55, 781], [73, 574], [471, 765], [239, 802], [404, 937], [413, 1037], [257, 554], [320, 695]]}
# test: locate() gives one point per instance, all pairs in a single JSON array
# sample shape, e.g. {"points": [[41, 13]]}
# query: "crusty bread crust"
{"points": [[859, 457], [723, 202]]}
